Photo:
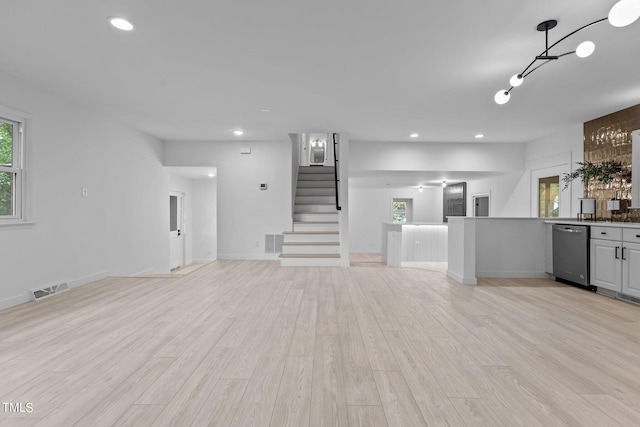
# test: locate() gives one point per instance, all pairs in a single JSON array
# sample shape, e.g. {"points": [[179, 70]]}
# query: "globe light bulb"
{"points": [[624, 13], [585, 49], [502, 97], [516, 80]]}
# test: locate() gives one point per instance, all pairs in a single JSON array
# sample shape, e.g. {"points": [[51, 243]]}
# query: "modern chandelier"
{"points": [[623, 13]]}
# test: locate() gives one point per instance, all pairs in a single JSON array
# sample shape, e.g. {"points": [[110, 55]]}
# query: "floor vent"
{"points": [[273, 243], [38, 294]]}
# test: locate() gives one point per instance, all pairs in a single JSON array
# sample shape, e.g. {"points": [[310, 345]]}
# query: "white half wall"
{"points": [[205, 221]]}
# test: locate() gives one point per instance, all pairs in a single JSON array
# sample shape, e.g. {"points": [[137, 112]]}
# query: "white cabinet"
{"points": [[631, 269], [615, 259], [606, 264]]}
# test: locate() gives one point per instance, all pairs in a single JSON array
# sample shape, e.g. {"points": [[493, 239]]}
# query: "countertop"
{"points": [[594, 223]]}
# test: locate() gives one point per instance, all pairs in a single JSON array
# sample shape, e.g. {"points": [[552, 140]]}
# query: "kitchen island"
{"points": [[522, 248], [498, 247], [413, 242]]}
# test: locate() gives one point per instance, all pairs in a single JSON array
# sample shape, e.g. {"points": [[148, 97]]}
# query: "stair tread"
{"points": [[319, 213], [311, 244], [315, 177], [314, 203], [311, 232], [309, 255], [316, 169], [315, 222]]}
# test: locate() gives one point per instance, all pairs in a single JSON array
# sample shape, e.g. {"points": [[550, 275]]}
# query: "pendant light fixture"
{"points": [[623, 13]]}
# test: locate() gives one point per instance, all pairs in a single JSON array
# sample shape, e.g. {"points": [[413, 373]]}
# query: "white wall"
{"points": [[412, 156], [553, 154], [515, 194], [511, 193], [205, 222], [118, 229], [505, 199], [245, 213], [369, 208]]}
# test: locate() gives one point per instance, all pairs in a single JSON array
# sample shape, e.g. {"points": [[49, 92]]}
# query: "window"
{"points": [[549, 197], [11, 169], [401, 210]]}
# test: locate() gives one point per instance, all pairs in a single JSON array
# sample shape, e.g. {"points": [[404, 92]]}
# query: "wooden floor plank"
{"points": [[139, 415], [366, 416], [293, 403], [398, 403], [221, 405], [251, 343], [328, 404], [192, 396], [304, 335]]}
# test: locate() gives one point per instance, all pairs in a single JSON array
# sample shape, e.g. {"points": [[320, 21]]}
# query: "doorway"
{"points": [[481, 205], [176, 227], [317, 152]]}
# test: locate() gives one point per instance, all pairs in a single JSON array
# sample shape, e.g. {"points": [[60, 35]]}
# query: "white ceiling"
{"points": [[413, 179], [377, 70]]}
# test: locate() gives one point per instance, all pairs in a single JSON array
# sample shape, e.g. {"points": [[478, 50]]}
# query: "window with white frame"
{"points": [[402, 210], [11, 168]]}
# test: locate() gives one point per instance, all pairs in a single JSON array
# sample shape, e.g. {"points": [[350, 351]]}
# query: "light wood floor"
{"points": [[243, 343]]}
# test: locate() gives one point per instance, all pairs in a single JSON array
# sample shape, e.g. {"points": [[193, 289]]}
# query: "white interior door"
{"points": [[481, 205], [176, 225]]}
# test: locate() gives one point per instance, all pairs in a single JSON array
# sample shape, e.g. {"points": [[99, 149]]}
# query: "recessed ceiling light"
{"points": [[238, 132], [414, 135], [121, 23], [479, 136], [266, 110]]}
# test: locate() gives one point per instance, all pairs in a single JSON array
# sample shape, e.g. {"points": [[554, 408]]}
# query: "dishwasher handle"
{"points": [[569, 230]]}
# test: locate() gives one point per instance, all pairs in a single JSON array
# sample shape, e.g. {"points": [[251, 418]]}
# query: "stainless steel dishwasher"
{"points": [[571, 254]]}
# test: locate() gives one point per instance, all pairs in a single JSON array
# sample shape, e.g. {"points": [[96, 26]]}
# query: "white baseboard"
{"points": [[143, 273], [21, 299], [13, 301], [512, 274], [203, 261], [462, 279], [249, 256], [88, 279]]}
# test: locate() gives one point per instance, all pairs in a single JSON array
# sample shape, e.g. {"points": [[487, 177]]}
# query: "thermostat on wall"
{"points": [[245, 150], [263, 186]]}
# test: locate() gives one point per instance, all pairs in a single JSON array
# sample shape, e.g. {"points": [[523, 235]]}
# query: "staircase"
{"points": [[315, 239]]}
